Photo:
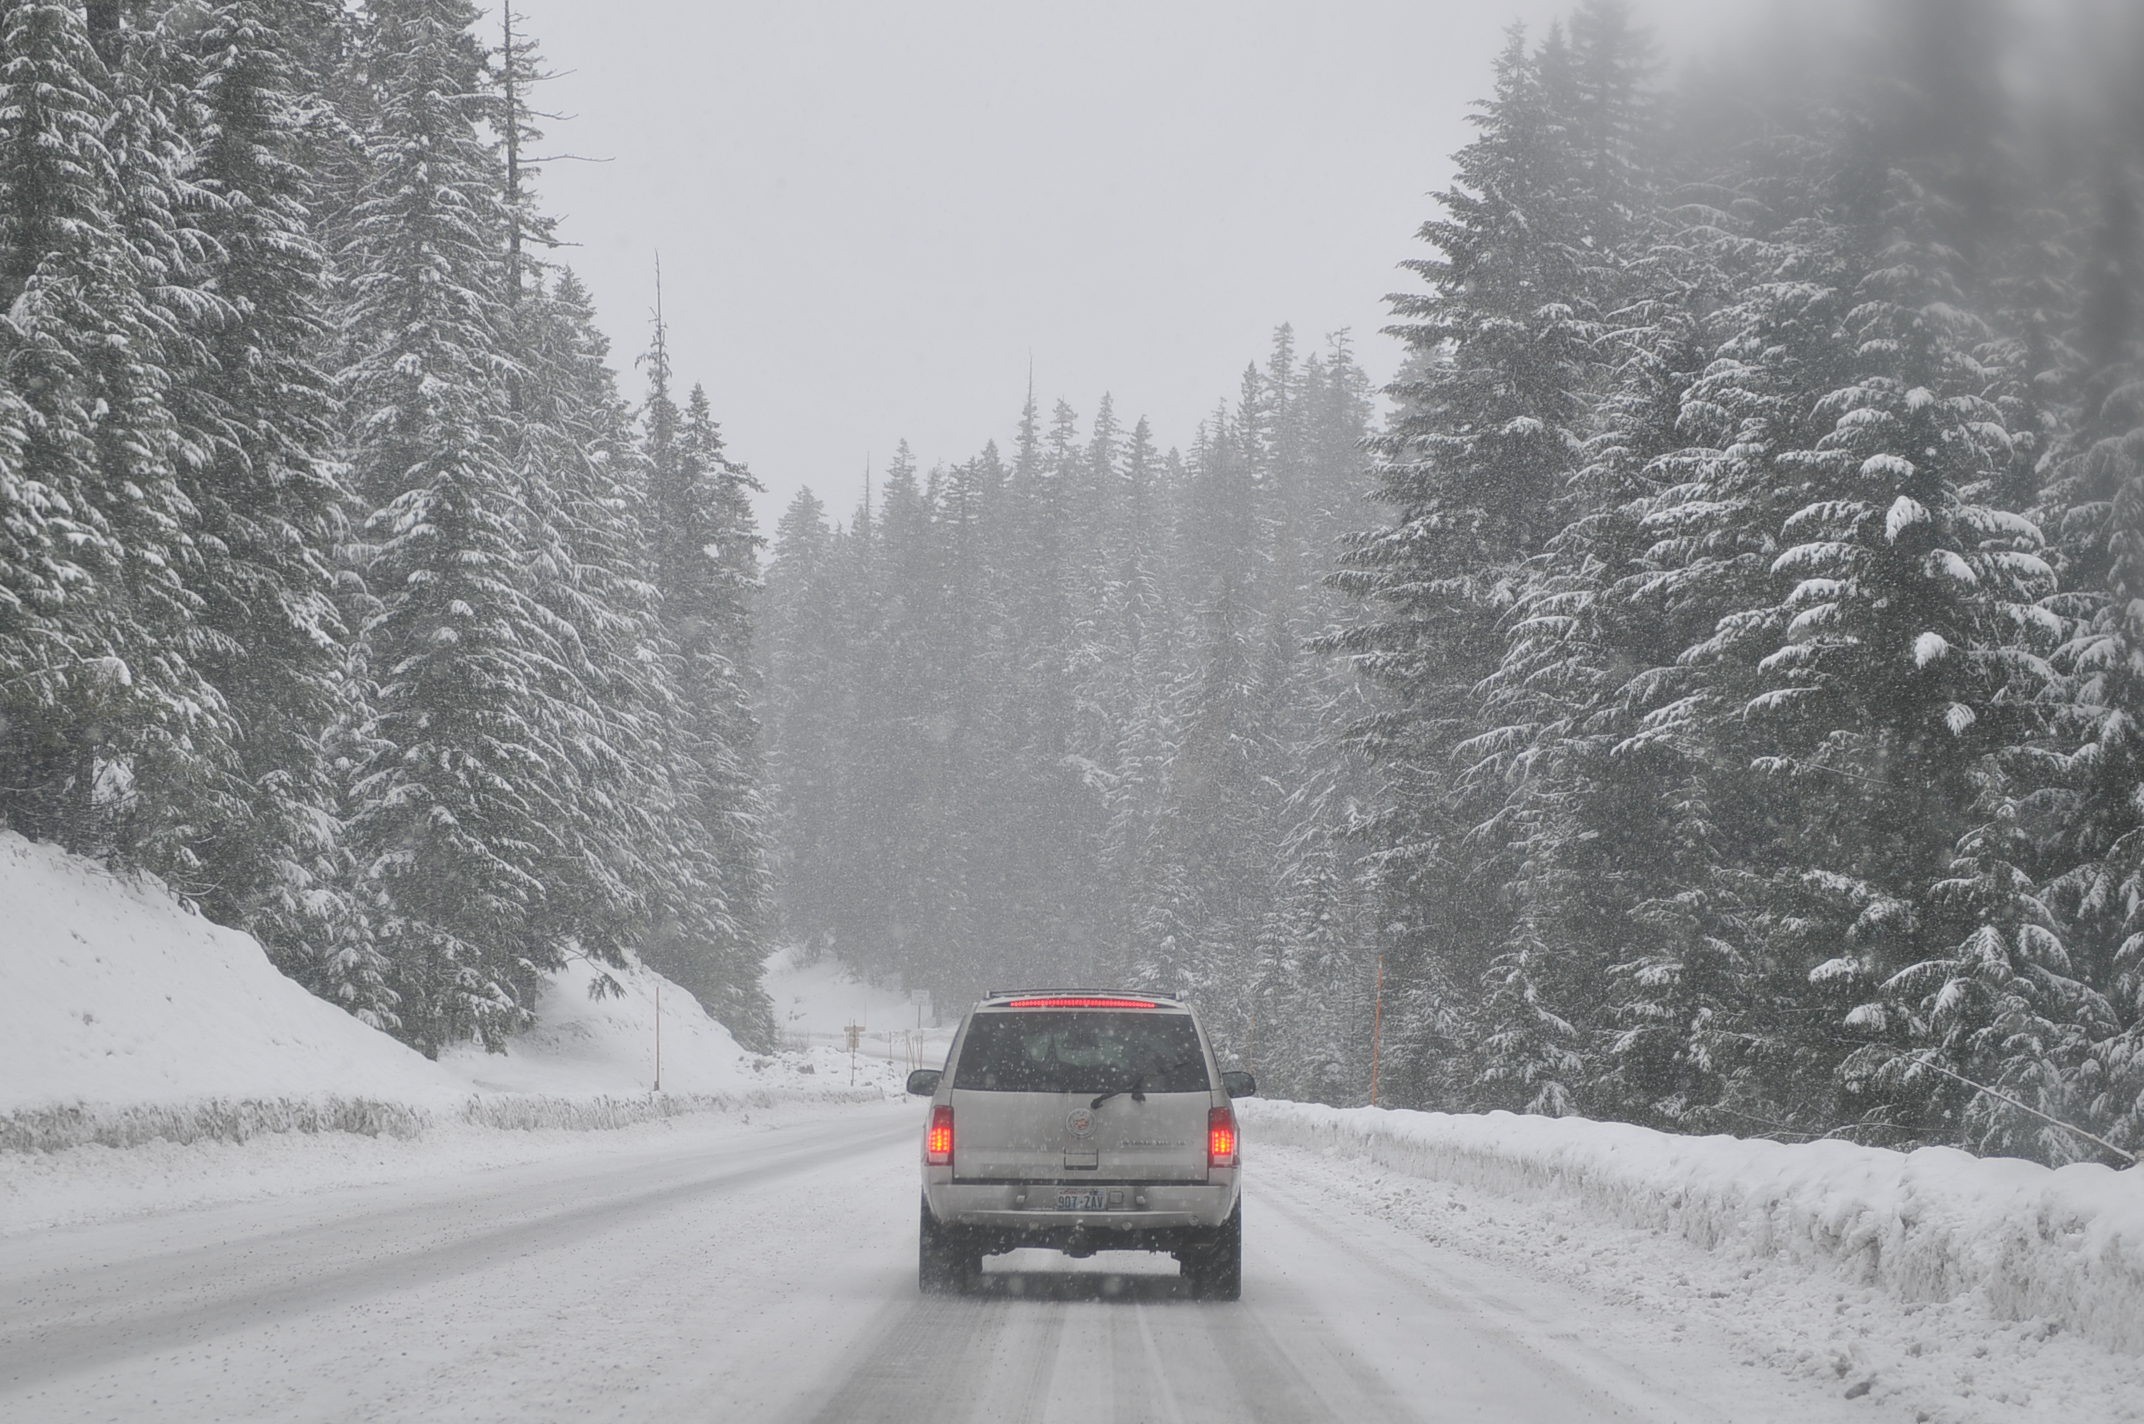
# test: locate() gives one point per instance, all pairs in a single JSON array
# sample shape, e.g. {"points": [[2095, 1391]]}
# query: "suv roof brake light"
{"points": [[1082, 1002]]}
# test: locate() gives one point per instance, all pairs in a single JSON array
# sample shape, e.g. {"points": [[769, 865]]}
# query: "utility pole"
{"points": [[662, 329], [658, 1035], [1377, 1028], [510, 66]]}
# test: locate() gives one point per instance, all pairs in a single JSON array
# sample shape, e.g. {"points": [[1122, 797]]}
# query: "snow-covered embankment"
{"points": [[126, 1019], [2064, 1246]]}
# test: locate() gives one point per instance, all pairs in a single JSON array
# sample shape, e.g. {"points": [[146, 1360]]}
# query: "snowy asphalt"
{"points": [[726, 1274]]}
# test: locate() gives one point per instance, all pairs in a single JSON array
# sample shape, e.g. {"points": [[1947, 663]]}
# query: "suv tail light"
{"points": [[1220, 1136], [938, 1145]]}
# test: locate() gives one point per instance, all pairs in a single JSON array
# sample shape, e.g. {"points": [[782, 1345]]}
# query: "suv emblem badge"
{"points": [[1081, 1121]]}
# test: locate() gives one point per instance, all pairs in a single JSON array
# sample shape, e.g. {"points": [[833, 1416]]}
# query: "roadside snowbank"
{"points": [[111, 992], [42, 1191], [127, 1019], [2061, 1247]]}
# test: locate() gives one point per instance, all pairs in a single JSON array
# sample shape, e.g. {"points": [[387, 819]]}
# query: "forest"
{"points": [[340, 585], [1704, 689]]}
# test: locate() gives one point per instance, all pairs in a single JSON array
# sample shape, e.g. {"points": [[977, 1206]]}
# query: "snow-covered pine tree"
{"points": [[708, 589], [111, 734], [1999, 1000], [1473, 469], [1885, 625], [184, 782], [803, 717], [1137, 687], [1711, 519], [2087, 1066], [566, 436], [1609, 821], [460, 783], [705, 569], [581, 495], [735, 550], [61, 671], [898, 759], [1096, 482], [974, 720], [1315, 1032], [2103, 886], [1212, 842], [262, 418]]}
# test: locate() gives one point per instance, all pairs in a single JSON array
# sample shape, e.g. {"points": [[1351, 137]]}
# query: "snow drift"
{"points": [[126, 1018], [2062, 1245], [583, 1043], [115, 994]]}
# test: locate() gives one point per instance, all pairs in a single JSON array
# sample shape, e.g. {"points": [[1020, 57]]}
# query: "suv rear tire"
{"points": [[1214, 1268], [945, 1265]]}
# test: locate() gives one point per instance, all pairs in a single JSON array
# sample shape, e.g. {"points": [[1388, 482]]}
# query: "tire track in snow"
{"points": [[1039, 1346], [71, 1324], [930, 1359]]}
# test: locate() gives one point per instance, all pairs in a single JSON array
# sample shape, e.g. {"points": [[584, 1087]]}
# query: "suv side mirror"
{"points": [[923, 1082], [1239, 1085]]}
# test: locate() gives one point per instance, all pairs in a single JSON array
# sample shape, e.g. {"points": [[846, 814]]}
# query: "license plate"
{"points": [[1083, 1201]]}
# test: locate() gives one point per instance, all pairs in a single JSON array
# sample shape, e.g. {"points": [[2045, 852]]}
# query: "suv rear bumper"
{"points": [[1023, 1213]]}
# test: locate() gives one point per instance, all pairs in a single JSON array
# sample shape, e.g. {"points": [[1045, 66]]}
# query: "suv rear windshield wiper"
{"points": [[1137, 1088]]}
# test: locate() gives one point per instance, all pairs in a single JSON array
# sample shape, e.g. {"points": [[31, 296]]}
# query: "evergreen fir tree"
{"points": [[457, 781], [270, 503], [113, 737], [1474, 469]]}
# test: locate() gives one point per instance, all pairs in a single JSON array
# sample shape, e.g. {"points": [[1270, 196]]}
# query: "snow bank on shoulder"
{"points": [[113, 994], [125, 1018], [2061, 1245]]}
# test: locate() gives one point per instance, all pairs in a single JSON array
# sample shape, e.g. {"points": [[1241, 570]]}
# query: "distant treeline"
{"points": [[1050, 717]]}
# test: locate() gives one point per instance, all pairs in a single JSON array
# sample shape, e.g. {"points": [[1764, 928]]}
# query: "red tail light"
{"points": [[938, 1145], [1220, 1137], [1081, 1002]]}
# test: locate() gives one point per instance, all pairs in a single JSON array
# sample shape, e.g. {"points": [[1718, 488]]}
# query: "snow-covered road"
{"points": [[720, 1272]]}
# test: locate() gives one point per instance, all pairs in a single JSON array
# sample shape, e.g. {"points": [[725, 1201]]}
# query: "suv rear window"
{"points": [[1063, 1051]]}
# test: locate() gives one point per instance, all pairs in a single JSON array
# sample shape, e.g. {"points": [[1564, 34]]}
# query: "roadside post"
{"points": [[1377, 1028]]}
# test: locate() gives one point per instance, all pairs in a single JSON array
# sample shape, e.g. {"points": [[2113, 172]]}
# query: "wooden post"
{"points": [[1377, 1029], [658, 1035], [510, 73]]}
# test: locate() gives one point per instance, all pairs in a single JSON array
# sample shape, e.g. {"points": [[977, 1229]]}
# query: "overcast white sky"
{"points": [[871, 213]]}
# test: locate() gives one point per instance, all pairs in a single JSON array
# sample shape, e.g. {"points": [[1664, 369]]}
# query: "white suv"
{"points": [[1086, 1121]]}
